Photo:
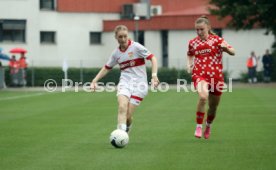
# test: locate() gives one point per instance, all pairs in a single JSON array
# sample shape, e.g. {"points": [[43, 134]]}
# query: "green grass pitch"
{"points": [[70, 131]]}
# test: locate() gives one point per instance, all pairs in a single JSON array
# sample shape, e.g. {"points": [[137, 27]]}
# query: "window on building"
{"points": [[165, 51], [140, 37], [13, 30], [48, 37], [47, 4], [127, 11], [95, 37]]}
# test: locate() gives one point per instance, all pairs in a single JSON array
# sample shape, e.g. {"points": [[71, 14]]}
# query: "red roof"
{"points": [[171, 23], [176, 14], [105, 6], [198, 10], [115, 6], [178, 5]]}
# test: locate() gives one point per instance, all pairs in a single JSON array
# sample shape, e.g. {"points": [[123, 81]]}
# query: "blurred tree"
{"points": [[247, 13]]}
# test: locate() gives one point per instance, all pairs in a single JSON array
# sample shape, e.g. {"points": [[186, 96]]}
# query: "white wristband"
{"points": [[154, 75]]}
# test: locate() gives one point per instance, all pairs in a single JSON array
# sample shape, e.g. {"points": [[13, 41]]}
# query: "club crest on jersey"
{"points": [[130, 54], [210, 42], [132, 63]]}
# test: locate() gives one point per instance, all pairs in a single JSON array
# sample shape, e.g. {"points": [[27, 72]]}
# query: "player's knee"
{"points": [[203, 99]]}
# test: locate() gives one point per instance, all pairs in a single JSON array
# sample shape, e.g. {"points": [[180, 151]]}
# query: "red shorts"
{"points": [[215, 87]]}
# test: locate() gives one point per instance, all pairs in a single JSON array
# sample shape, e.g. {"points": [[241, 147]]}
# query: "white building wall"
{"points": [[153, 44], [72, 35], [25, 10], [178, 46], [244, 42], [73, 39]]}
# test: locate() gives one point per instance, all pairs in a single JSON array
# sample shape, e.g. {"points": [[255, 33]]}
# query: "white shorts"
{"points": [[134, 91]]}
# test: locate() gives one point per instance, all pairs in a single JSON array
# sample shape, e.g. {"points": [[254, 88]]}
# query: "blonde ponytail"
{"points": [[204, 19], [119, 28]]}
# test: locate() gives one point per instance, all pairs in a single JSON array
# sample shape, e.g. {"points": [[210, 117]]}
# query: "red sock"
{"points": [[199, 117], [210, 118]]}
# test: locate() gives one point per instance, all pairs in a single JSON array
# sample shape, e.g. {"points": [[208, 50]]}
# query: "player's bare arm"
{"points": [[190, 63], [154, 79], [99, 76], [225, 48]]}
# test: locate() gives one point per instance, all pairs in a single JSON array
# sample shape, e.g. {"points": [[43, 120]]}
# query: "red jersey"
{"points": [[22, 63], [208, 58], [14, 66]]}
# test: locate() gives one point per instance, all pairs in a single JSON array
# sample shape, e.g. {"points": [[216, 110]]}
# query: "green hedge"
{"points": [[273, 71], [38, 75]]}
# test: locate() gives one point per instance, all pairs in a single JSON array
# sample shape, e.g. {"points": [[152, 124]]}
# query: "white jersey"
{"points": [[131, 62]]}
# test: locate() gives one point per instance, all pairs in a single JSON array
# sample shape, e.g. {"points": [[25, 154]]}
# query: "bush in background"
{"points": [[37, 76]]}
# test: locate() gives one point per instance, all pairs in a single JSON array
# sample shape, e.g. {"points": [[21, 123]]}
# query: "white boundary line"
{"points": [[22, 96]]}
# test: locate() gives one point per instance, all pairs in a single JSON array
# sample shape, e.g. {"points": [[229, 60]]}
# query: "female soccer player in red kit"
{"points": [[205, 65], [133, 84]]}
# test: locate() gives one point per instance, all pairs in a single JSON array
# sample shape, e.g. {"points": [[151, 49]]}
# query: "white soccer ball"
{"points": [[119, 138]]}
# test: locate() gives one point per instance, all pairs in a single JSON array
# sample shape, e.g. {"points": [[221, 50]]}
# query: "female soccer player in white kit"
{"points": [[133, 84]]}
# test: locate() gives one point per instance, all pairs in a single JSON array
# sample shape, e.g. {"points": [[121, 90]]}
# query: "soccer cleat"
{"points": [[128, 130], [198, 132], [207, 132]]}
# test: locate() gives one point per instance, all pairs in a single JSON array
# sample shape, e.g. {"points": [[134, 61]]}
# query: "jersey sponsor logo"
{"points": [[204, 51], [132, 63], [129, 64]]}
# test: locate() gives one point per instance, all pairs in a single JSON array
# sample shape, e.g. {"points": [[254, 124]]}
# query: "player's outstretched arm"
{"points": [[227, 49], [230, 51], [154, 70], [99, 76]]}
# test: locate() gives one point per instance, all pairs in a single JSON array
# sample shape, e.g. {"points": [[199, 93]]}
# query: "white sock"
{"points": [[199, 125], [122, 126], [208, 124]]}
